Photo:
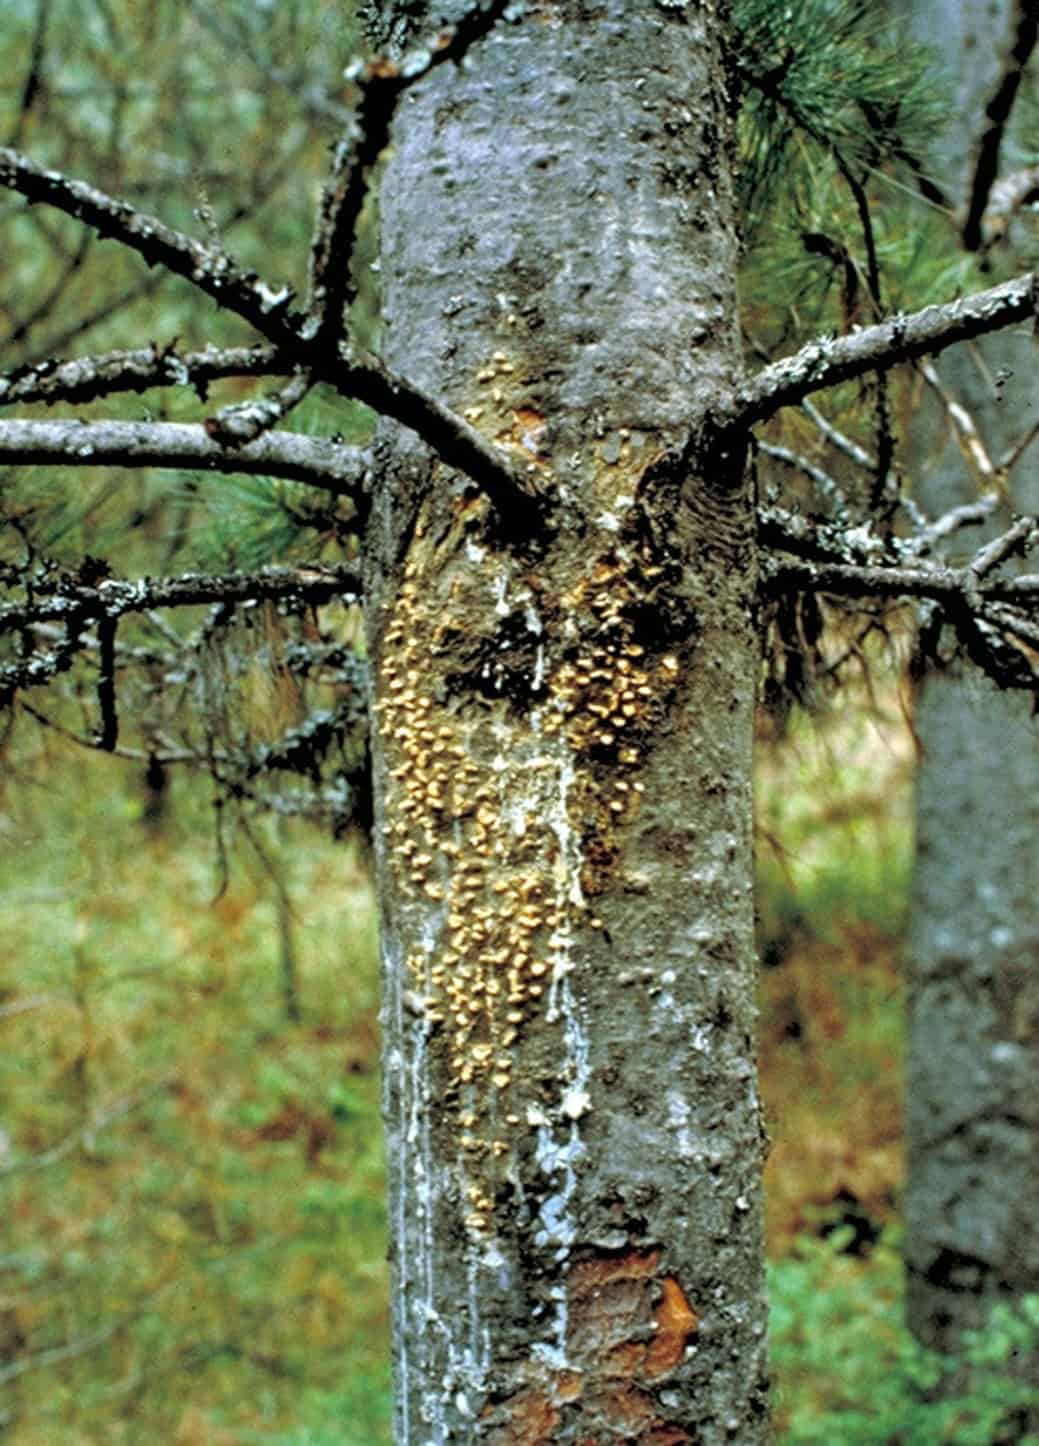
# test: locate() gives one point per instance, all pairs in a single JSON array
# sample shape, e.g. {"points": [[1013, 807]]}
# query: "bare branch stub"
{"points": [[243, 422]]}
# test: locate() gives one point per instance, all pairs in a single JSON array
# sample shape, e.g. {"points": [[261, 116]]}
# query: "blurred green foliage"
{"points": [[849, 1372], [183, 1170]]}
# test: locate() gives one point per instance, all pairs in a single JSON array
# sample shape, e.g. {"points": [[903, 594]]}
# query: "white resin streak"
{"points": [[392, 970], [558, 1158], [523, 796]]}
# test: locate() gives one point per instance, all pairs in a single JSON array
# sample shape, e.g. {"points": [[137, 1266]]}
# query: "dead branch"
{"points": [[828, 361], [850, 580], [87, 378], [213, 271], [315, 460], [114, 598], [513, 491]]}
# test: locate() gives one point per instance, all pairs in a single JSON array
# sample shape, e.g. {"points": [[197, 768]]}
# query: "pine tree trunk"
{"points": [[972, 1231], [562, 751]]}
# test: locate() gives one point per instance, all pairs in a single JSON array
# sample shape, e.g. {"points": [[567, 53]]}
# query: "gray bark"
{"points": [[562, 751], [972, 1233]]}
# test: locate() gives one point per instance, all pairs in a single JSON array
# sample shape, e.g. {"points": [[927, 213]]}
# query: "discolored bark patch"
{"points": [[629, 1328]]}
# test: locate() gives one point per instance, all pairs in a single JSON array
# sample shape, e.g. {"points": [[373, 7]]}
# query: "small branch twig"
{"points": [[1020, 536], [1024, 26], [243, 422], [973, 449], [1014, 453], [838, 439], [969, 514], [854, 561], [828, 489]]}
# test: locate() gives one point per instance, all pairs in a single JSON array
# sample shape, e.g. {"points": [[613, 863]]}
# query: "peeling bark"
{"points": [[562, 752]]}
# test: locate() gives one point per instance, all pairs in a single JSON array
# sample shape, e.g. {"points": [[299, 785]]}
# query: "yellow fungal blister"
{"points": [[515, 883]]}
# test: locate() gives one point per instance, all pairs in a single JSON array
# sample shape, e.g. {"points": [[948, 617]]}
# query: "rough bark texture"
{"points": [[972, 1233], [563, 752]]}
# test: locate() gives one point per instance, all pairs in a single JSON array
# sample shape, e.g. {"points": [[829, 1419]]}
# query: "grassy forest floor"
{"points": [[193, 1247]]}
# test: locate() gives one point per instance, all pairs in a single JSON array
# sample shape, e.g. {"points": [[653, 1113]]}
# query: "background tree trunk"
{"points": [[972, 1235], [562, 752]]}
